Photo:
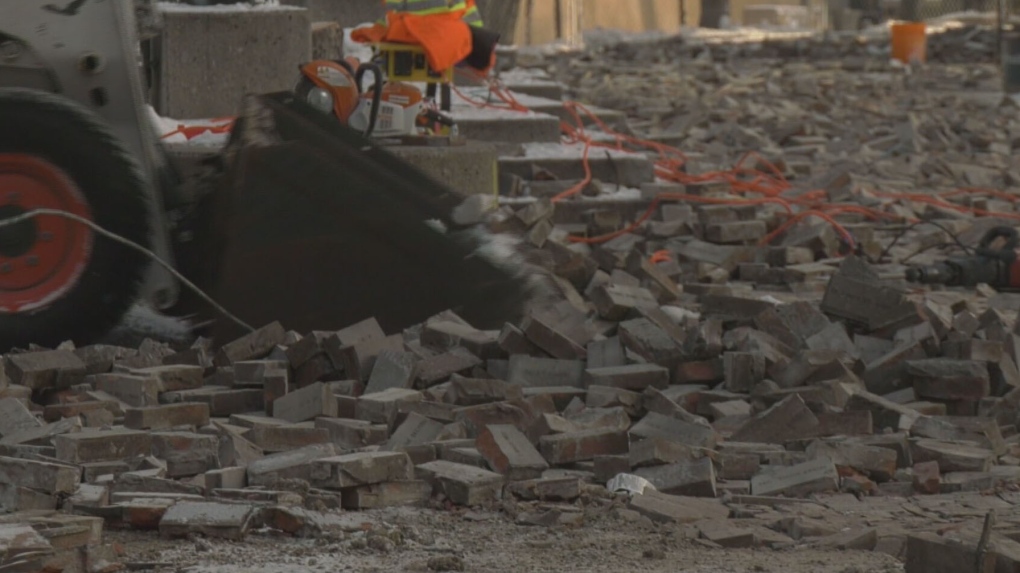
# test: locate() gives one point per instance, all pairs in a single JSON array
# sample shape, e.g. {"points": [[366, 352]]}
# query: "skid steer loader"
{"points": [[303, 221]]}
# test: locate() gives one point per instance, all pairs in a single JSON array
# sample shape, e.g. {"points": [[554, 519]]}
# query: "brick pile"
{"points": [[771, 396]]}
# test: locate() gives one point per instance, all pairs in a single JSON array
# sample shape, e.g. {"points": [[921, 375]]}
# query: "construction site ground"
{"points": [[612, 540]]}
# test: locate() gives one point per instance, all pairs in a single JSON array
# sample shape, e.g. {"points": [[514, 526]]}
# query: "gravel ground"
{"points": [[610, 540]]}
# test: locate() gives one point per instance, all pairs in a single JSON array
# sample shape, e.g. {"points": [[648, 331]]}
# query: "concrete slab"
{"points": [[565, 162], [215, 56], [468, 169], [506, 126], [349, 13]]}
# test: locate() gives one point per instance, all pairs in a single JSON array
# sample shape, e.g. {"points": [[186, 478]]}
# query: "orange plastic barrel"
{"points": [[910, 42]]}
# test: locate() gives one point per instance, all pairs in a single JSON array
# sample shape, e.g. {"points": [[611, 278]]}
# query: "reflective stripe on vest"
{"points": [[426, 7], [473, 17]]}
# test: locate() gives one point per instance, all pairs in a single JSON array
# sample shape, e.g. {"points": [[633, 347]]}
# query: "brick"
{"points": [[694, 478], [55, 412], [584, 445], [42, 435], [658, 451], [730, 409], [438, 411], [254, 371], [358, 358], [606, 353], [306, 404], [531, 372], [226, 478], [736, 231], [888, 372], [742, 370], [664, 508], [608, 397], [884, 413], [186, 453], [635, 377], [932, 553], [221, 520], [655, 425], [855, 293], [737, 465], [851, 423], [382, 407], [416, 430], [102, 445], [166, 417], [509, 452], [650, 342], [251, 346], [392, 369], [608, 467], [101, 357], [788, 420], [275, 385], [513, 341], [462, 484], [944, 379], [295, 464], [353, 434], [473, 391], [15, 417], [438, 369], [447, 334], [952, 457], [390, 494], [363, 468], [927, 478], [879, 464], [815, 476], [137, 391], [283, 438], [544, 334], [49, 369], [174, 377], [476, 418], [43, 476], [616, 302]]}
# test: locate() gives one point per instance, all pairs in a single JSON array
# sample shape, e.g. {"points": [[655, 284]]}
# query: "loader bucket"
{"points": [[319, 228]]}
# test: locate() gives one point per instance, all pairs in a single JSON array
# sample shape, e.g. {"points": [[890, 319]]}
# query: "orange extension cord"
{"points": [[753, 176]]}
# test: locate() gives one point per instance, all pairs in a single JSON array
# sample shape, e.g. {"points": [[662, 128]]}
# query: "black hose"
{"points": [[376, 93]]}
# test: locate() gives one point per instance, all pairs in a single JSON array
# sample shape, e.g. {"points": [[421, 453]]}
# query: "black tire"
{"points": [[73, 138]]}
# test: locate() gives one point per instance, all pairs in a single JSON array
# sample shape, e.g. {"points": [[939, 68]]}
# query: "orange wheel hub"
{"points": [[41, 258]]}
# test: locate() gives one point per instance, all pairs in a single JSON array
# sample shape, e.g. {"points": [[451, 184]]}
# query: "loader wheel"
{"points": [[58, 279]]}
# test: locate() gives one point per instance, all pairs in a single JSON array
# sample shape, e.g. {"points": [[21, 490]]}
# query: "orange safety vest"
{"points": [[445, 37]]}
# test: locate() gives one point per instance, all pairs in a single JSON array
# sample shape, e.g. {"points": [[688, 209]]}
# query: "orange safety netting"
{"points": [[753, 176]]}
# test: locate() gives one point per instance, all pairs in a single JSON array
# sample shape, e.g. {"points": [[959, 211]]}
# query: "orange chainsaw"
{"points": [[394, 109]]}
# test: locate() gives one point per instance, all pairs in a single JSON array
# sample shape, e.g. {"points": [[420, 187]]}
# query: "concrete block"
{"points": [[363, 468], [295, 464], [381, 407], [390, 494], [285, 438], [102, 445], [50, 369], [186, 453], [693, 478], [43, 476], [223, 520], [213, 58], [306, 404], [462, 484], [353, 434], [167, 416], [349, 13], [327, 40], [627, 169], [467, 169], [392, 369], [583, 445], [16, 418], [509, 452], [505, 126], [664, 508], [815, 476], [416, 430]]}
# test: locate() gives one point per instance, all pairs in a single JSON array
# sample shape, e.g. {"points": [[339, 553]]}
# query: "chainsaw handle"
{"points": [[377, 90], [1008, 251]]}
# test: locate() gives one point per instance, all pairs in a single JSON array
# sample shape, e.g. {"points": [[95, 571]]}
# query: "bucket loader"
{"points": [[304, 220]]}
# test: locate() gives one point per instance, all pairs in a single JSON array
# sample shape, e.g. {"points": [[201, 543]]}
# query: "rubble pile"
{"points": [[737, 406], [775, 395], [937, 127]]}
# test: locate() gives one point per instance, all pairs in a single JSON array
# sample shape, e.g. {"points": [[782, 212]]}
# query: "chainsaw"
{"points": [[395, 109]]}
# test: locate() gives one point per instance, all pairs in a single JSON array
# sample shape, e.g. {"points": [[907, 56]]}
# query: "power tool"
{"points": [[995, 262]]}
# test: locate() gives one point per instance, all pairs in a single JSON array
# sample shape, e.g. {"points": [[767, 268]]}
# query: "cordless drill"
{"points": [[997, 267]]}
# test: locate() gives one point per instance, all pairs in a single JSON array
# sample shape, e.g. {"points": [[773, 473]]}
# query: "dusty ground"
{"points": [[414, 539]]}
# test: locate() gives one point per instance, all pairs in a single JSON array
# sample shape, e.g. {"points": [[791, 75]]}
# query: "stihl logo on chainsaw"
{"points": [[333, 76]]}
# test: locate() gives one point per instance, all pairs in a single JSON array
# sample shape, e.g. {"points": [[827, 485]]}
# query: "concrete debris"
{"points": [[774, 395]]}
